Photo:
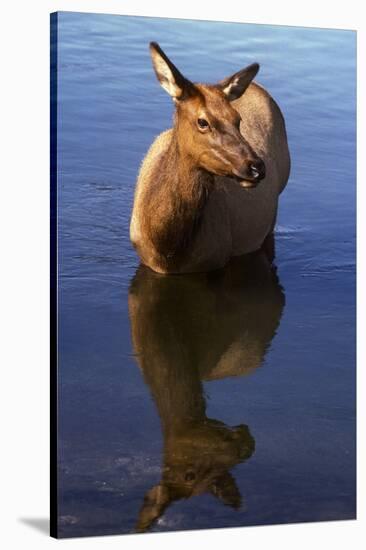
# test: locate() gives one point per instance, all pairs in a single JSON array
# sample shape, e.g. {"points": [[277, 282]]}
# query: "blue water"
{"points": [[229, 397]]}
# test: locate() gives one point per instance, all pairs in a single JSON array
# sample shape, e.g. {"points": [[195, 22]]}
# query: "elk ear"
{"points": [[173, 82], [234, 86], [226, 490], [155, 502]]}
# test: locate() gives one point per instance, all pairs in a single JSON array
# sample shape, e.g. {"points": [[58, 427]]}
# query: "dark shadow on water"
{"points": [[194, 328], [40, 524]]}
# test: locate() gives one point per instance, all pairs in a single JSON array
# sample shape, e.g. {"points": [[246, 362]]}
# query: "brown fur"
{"points": [[173, 206], [188, 214]]}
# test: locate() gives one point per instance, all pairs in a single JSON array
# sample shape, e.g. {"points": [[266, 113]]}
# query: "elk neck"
{"points": [[174, 203]]}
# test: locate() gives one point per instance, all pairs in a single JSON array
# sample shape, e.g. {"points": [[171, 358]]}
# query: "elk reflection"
{"points": [[193, 328]]}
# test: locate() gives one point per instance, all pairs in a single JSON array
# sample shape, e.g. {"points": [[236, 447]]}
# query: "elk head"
{"points": [[206, 123]]}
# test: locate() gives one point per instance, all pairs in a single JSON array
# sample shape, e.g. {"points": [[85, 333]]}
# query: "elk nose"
{"points": [[257, 169]]}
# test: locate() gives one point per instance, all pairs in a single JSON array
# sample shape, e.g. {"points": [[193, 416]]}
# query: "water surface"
{"points": [[211, 400]]}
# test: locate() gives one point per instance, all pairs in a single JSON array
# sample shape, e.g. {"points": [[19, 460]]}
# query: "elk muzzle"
{"points": [[251, 172]]}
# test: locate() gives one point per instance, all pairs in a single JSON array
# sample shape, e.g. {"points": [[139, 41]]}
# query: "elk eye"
{"points": [[203, 124], [190, 476]]}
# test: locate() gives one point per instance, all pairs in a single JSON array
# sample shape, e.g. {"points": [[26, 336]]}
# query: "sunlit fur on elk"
{"points": [[208, 187]]}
